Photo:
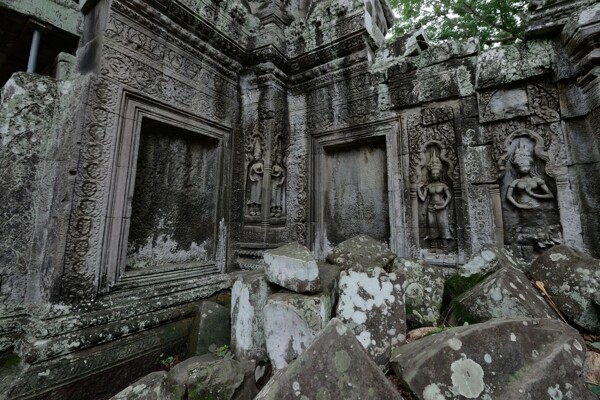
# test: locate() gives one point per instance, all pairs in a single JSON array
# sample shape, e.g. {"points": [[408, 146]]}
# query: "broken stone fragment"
{"points": [[423, 288], [213, 329], [505, 293], [508, 358], [592, 368], [489, 259], [372, 305], [573, 281], [362, 253], [149, 387], [335, 366], [248, 298], [292, 320], [293, 267], [206, 377]]}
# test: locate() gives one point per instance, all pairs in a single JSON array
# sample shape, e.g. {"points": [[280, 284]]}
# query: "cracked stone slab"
{"points": [[293, 267], [573, 281], [149, 387], [505, 293], [372, 305], [214, 327], [292, 320], [335, 366], [489, 259], [248, 298], [508, 358], [423, 288], [361, 253]]}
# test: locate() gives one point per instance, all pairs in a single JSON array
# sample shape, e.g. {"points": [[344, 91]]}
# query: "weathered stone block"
{"points": [[248, 298], [372, 305], [206, 377], [500, 104], [214, 327], [491, 258], [335, 366], [423, 288], [505, 293], [292, 320], [150, 387], [293, 267], [517, 358], [361, 253], [502, 65], [573, 280]]}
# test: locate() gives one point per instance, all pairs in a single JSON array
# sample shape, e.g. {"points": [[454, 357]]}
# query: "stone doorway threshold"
{"points": [[163, 278]]}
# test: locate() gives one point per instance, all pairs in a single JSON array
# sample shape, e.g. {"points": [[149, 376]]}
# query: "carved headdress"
{"points": [[522, 153], [257, 148], [435, 163]]}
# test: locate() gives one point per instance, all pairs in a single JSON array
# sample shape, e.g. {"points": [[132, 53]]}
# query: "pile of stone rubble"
{"points": [[300, 329]]}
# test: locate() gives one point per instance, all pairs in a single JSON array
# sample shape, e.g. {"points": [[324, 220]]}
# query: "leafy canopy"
{"points": [[494, 22]]}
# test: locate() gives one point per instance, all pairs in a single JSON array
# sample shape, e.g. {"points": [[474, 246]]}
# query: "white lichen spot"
{"points": [[341, 329], [496, 294], [487, 358], [558, 257], [432, 392], [555, 392], [467, 378], [513, 337], [454, 343], [364, 338]]}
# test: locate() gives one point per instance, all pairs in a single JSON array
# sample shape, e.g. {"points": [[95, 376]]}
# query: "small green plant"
{"points": [[223, 350], [168, 361], [438, 329]]}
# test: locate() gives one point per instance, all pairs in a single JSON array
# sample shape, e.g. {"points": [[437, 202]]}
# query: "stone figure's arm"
{"points": [[282, 173], [448, 197], [422, 192], [547, 194], [511, 199]]}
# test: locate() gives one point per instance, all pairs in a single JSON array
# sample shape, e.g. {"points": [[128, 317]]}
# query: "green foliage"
{"points": [[492, 21], [457, 284], [462, 315], [223, 351], [168, 361], [12, 360], [438, 329], [594, 388]]}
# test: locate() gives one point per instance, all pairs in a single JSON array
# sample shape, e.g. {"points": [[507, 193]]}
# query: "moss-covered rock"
{"points": [[573, 280]]}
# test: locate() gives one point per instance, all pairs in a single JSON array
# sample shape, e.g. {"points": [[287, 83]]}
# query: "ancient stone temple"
{"points": [[164, 145]]}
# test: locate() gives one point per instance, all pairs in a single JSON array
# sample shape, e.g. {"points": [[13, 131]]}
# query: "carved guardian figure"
{"points": [[525, 191], [438, 196]]}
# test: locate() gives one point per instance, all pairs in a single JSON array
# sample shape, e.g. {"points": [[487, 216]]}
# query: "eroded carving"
{"points": [[530, 211], [525, 191], [436, 194], [255, 181]]}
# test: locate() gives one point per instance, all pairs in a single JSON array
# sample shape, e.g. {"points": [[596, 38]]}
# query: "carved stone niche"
{"points": [[528, 193], [353, 189], [163, 212], [434, 199]]}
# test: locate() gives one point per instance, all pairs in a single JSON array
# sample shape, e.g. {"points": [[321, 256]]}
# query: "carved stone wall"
{"points": [[443, 149], [139, 58]]}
